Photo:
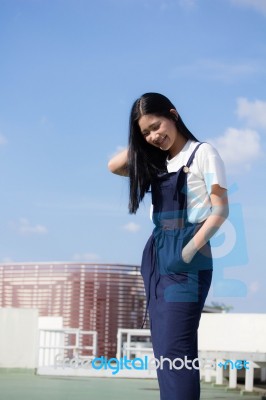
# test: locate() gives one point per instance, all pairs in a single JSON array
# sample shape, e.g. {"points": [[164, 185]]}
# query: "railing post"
{"points": [[95, 339], [232, 376], [128, 345], [219, 372], [263, 374], [119, 344], [208, 376], [249, 377]]}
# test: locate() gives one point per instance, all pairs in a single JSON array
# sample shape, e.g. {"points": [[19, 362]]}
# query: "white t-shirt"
{"points": [[206, 170]]}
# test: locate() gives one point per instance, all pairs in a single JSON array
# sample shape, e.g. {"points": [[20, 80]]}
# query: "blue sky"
{"points": [[69, 73]]}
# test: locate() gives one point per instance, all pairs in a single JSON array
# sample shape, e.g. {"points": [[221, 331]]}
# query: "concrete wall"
{"points": [[18, 338], [50, 322], [233, 332]]}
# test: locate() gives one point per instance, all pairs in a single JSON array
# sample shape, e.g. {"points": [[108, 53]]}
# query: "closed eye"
{"points": [[153, 127]]}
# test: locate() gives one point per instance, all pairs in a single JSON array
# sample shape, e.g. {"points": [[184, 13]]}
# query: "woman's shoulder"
{"points": [[208, 157], [207, 149], [202, 148]]}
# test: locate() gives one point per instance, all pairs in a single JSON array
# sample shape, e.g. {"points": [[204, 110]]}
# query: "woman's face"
{"points": [[160, 132]]}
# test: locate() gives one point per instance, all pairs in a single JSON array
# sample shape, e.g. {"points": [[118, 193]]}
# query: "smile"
{"points": [[159, 143]]}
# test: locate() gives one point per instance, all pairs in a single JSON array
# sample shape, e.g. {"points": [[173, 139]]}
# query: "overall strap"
{"points": [[191, 158], [183, 192]]}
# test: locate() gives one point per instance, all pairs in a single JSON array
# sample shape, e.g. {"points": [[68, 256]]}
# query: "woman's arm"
{"points": [[219, 214], [118, 164]]}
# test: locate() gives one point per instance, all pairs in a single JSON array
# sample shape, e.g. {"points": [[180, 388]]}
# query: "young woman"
{"points": [[189, 201]]}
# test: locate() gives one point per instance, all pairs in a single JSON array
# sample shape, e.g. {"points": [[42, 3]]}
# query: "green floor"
{"points": [[22, 386]]}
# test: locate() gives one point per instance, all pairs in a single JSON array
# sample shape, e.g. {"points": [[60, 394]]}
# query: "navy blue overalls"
{"points": [[175, 290]]}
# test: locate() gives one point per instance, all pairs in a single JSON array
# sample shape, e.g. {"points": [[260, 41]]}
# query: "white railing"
{"points": [[128, 346], [232, 362], [62, 352], [56, 345]]}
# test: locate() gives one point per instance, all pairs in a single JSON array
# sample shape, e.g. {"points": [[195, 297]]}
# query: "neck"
{"points": [[177, 146]]}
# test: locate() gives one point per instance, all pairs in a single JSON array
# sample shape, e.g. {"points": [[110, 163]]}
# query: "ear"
{"points": [[174, 112]]}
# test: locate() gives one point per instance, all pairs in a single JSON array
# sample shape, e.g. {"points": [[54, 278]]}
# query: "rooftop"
{"points": [[26, 386]]}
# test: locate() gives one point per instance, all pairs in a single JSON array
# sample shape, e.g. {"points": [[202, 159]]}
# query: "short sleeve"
{"points": [[211, 166]]}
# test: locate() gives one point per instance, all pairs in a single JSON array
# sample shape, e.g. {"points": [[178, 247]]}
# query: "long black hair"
{"points": [[144, 160]]}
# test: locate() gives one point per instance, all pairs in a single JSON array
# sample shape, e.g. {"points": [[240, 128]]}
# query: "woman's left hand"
{"points": [[211, 225], [188, 252]]}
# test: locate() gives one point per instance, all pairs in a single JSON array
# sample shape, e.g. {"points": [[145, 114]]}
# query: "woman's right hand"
{"points": [[118, 164]]}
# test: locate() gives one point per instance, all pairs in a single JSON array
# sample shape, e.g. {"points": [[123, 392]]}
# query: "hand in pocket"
{"points": [[188, 252]]}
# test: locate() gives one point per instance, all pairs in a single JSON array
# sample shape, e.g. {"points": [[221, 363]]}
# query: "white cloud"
{"points": [[86, 257], [238, 148], [44, 120], [3, 140], [253, 112], [254, 287], [212, 69], [258, 5], [162, 4], [131, 227], [23, 227], [188, 3], [7, 260], [170, 4], [165, 5]]}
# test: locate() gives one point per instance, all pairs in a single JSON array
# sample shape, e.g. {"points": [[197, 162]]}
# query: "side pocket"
{"points": [[168, 253]]}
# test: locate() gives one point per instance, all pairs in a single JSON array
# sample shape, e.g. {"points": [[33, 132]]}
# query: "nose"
{"points": [[155, 137]]}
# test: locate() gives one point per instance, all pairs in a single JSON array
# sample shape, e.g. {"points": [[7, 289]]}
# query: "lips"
{"points": [[159, 143], [162, 143]]}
